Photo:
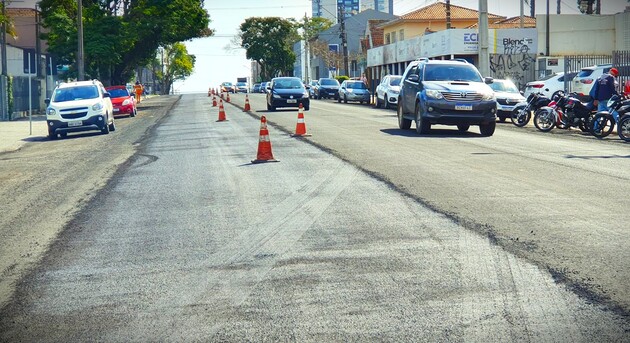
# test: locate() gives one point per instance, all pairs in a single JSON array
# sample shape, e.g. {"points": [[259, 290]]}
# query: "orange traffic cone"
{"points": [[221, 111], [264, 144], [214, 101], [247, 107], [228, 96], [300, 128]]}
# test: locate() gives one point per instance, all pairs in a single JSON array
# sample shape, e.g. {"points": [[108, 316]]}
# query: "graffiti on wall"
{"points": [[520, 68]]}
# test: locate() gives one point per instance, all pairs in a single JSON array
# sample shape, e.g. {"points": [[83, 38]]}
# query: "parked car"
{"points": [[507, 95], [387, 91], [241, 87], [447, 92], [287, 92], [79, 106], [354, 90], [327, 88], [585, 79], [123, 102], [311, 89], [256, 88], [228, 87], [548, 85], [263, 87]]}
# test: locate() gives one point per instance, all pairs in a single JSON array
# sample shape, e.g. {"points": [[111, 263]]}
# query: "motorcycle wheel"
{"points": [[520, 117], [544, 120], [623, 128], [601, 125]]}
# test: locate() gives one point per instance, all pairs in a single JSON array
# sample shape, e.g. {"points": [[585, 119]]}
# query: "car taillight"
{"points": [[586, 81], [537, 86]]}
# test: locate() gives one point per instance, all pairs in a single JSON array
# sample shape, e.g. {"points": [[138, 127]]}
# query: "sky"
{"points": [[219, 60]]}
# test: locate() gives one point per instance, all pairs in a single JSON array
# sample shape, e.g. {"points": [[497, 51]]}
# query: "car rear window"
{"points": [[395, 81], [356, 85], [585, 73], [500, 86]]}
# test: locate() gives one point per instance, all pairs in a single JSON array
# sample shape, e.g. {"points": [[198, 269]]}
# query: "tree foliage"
{"points": [[269, 41], [120, 35], [171, 64]]}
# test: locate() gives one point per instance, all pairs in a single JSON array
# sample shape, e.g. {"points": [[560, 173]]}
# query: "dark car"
{"points": [[256, 88], [451, 92], [287, 92], [327, 88], [354, 90]]}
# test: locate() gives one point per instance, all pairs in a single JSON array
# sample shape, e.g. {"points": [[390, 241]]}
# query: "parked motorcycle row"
{"points": [[565, 111]]}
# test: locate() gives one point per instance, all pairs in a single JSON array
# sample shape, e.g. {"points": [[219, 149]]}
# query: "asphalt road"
{"points": [[164, 231]]}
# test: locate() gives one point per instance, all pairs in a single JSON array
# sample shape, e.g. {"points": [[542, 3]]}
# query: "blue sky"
{"points": [[216, 62]]}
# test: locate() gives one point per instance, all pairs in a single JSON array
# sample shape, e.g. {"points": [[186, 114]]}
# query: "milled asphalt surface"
{"points": [[198, 244]]}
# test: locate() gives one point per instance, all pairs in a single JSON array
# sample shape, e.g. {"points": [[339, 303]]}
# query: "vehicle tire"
{"points": [[623, 128], [105, 129], [345, 99], [403, 123], [378, 103], [63, 135], [544, 120], [112, 126], [602, 125], [51, 135], [361, 102], [338, 99], [422, 126], [520, 117], [463, 127], [386, 103], [502, 119], [487, 130]]}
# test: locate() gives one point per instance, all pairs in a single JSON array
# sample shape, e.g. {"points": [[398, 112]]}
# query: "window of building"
{"points": [[401, 34], [387, 39], [394, 37]]}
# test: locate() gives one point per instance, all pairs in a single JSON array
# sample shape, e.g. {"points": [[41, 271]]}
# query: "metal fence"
{"points": [[618, 59], [21, 96]]}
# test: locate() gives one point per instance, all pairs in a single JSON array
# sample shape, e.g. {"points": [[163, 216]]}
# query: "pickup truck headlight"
{"points": [[97, 107], [51, 112], [432, 93], [276, 96], [488, 96]]}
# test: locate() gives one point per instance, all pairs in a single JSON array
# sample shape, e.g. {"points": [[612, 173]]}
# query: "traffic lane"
{"points": [[46, 182], [308, 249], [530, 191]]}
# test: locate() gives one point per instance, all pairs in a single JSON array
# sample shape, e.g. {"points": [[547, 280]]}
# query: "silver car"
{"points": [[354, 90]]}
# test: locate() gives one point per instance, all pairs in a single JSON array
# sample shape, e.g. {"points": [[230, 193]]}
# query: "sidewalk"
{"points": [[16, 133]]}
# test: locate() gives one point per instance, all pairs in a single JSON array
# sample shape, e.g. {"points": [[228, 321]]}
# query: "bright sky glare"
{"points": [[219, 59]]}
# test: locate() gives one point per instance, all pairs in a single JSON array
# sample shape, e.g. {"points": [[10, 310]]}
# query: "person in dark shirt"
{"points": [[604, 88]]}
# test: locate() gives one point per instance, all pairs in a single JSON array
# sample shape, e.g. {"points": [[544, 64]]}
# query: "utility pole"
{"points": [[4, 96], [532, 12], [448, 14], [522, 12], [344, 40], [307, 54], [484, 56], [547, 31], [80, 64]]}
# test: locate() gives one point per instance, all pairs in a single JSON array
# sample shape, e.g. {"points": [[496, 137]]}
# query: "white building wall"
{"points": [[622, 31], [577, 34]]}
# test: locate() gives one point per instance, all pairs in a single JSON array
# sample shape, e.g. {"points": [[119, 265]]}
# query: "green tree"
{"points": [[120, 35], [311, 27], [175, 64], [269, 41]]}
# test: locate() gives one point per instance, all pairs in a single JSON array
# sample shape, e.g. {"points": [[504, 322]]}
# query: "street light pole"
{"points": [[4, 96], [80, 65]]}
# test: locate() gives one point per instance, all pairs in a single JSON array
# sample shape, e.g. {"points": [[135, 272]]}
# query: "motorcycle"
{"points": [[577, 114], [550, 116], [603, 123], [523, 111]]}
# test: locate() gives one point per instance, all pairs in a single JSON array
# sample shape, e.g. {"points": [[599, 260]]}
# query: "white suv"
{"points": [[79, 106], [585, 79]]}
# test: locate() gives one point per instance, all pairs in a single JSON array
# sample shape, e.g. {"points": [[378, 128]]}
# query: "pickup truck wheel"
{"points": [[105, 129], [463, 127], [487, 130], [403, 124], [422, 126]]}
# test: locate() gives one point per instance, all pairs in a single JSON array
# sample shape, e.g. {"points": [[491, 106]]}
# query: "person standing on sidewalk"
{"points": [[138, 89], [603, 89]]}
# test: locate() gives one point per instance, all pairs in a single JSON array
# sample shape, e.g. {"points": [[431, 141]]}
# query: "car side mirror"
{"points": [[522, 93], [413, 78], [106, 95], [488, 80], [308, 87], [47, 101]]}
